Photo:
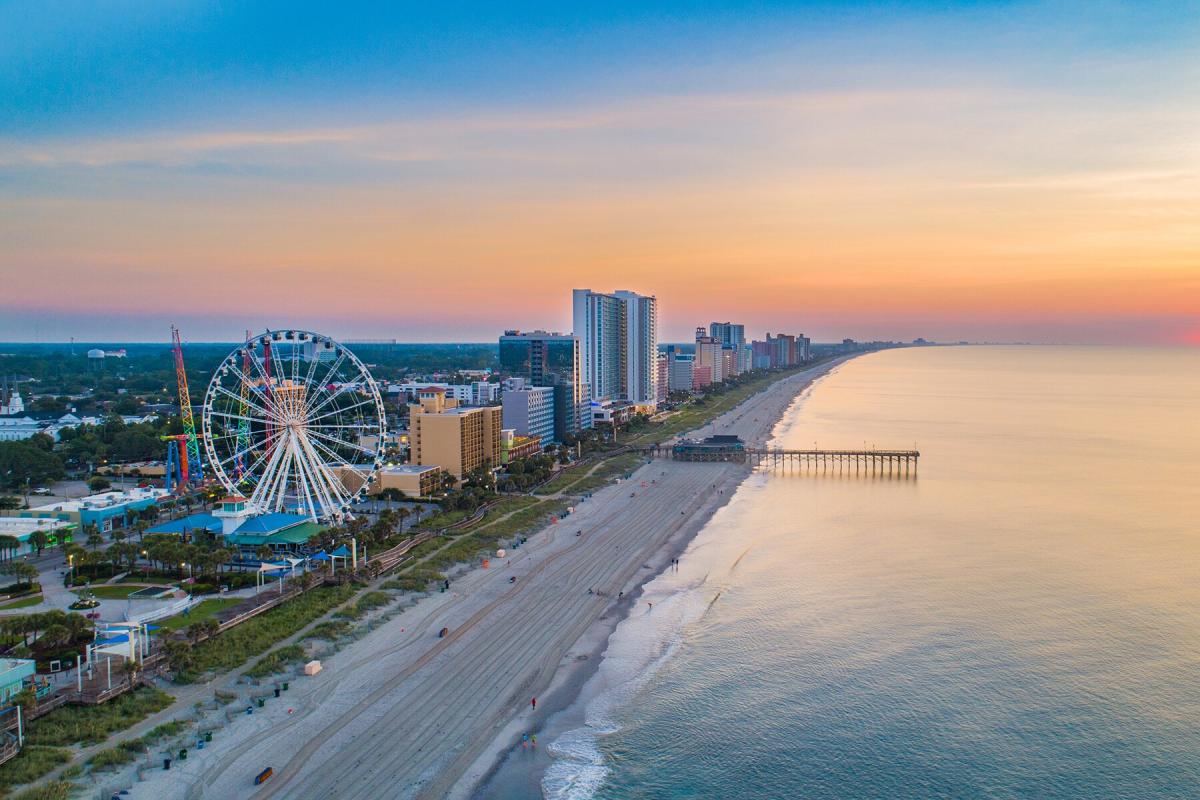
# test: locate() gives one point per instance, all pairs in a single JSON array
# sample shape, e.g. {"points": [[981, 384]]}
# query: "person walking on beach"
{"points": [[533, 703], [535, 741], [524, 740]]}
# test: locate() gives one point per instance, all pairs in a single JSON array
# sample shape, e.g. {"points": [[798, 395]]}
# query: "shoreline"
{"points": [[505, 770]]}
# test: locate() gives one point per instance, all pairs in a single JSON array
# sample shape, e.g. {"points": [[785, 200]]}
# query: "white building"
{"points": [[618, 343], [477, 393], [530, 412], [679, 372], [597, 319]]}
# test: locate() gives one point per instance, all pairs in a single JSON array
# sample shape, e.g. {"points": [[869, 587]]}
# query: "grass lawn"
{"points": [[24, 602], [116, 591], [204, 610]]}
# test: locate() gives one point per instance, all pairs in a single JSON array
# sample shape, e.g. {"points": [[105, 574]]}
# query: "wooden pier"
{"points": [[897, 463], [858, 462]]}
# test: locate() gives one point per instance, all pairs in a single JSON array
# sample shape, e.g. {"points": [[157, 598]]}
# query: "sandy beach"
{"points": [[404, 713]]}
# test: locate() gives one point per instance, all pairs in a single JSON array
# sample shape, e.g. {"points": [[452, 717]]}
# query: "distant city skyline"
{"points": [[992, 172]]}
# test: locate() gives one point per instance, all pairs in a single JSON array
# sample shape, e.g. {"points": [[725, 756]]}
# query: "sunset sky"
{"points": [[438, 171]]}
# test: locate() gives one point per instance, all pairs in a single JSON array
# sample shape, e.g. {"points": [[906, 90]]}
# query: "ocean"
{"points": [[1020, 620]]}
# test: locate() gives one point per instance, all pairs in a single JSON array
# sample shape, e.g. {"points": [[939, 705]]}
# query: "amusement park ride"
{"points": [[287, 417], [184, 465]]}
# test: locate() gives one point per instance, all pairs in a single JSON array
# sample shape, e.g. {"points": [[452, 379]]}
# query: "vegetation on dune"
{"points": [[128, 750], [330, 630], [93, 724], [417, 579], [277, 661], [30, 764], [51, 790], [255, 636]]}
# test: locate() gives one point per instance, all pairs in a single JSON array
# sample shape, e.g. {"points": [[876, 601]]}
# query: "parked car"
{"points": [[41, 490]]}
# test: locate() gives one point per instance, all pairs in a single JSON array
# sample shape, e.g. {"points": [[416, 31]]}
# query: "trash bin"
{"points": [[277, 691], [183, 754], [261, 702], [208, 736]]}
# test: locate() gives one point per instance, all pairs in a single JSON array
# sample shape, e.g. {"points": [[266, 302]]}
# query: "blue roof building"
{"points": [[192, 522]]}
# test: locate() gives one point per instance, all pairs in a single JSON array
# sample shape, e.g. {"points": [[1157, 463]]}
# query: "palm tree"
{"points": [[94, 537], [38, 540], [264, 552], [130, 668], [403, 513], [55, 636], [9, 545]]}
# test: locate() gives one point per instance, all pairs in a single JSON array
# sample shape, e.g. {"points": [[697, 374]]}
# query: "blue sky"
{"points": [[1048, 147]]}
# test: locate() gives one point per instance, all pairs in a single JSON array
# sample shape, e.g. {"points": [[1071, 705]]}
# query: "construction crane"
{"points": [[190, 463]]}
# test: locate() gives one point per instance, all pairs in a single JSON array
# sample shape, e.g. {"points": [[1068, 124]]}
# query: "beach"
{"points": [[403, 712]]}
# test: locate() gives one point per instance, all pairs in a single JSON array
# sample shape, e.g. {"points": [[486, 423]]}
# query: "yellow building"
{"points": [[459, 440], [414, 480]]}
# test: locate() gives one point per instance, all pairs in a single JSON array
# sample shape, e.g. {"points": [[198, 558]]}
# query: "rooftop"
{"points": [[268, 524], [106, 500], [293, 534], [408, 469], [190, 523]]}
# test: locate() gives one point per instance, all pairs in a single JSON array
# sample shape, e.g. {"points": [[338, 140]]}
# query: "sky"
{"points": [[1004, 171]]}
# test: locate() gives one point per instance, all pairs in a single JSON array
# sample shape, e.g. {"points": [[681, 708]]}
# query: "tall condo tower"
{"points": [[618, 342], [641, 348]]}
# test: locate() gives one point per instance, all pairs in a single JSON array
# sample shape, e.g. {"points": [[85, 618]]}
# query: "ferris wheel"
{"points": [[294, 422]]}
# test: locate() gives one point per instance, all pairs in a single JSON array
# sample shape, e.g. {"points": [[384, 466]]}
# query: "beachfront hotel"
{"points": [[457, 439]]}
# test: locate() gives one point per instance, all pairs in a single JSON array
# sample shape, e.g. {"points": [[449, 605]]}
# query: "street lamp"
{"points": [[146, 566], [70, 567]]}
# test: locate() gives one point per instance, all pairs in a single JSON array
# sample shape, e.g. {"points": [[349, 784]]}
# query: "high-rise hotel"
{"points": [[618, 338]]}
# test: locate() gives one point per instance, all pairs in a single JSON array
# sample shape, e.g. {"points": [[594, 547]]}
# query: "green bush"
{"points": [[330, 630], [277, 661], [164, 731], [371, 600], [112, 758]]}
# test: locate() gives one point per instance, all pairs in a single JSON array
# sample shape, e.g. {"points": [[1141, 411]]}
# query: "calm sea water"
{"points": [[1022, 620]]}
